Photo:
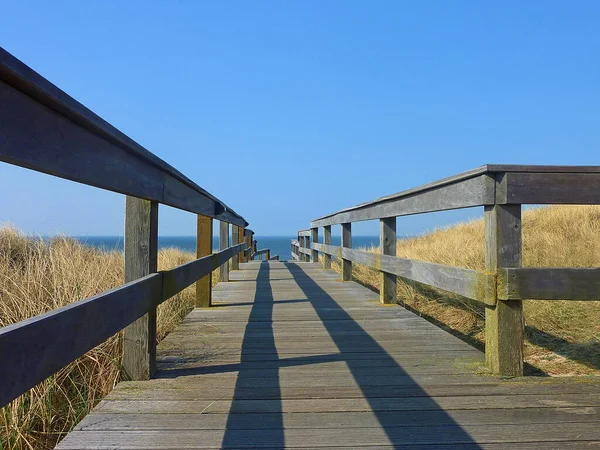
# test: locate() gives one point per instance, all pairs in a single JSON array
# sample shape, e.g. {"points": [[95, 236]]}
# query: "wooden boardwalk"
{"points": [[292, 357]]}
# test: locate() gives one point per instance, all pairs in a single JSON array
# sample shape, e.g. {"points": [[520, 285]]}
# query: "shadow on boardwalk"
{"points": [[261, 320]]}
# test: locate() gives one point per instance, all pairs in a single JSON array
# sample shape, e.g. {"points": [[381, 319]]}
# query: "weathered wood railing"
{"points": [[501, 190], [44, 129]]}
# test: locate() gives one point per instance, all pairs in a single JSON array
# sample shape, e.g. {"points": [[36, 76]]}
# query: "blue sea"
{"points": [[279, 245]]}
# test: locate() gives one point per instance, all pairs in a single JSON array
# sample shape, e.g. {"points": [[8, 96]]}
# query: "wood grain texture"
{"points": [[36, 348], [223, 244], [177, 279], [241, 239], [465, 282], [204, 233], [504, 322], [291, 358], [235, 240], [346, 244], [141, 259], [461, 193], [543, 283], [326, 241], [387, 244], [314, 237], [549, 188]]}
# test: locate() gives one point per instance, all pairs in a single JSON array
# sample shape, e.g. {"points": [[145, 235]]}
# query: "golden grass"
{"points": [[38, 276], [562, 337]]}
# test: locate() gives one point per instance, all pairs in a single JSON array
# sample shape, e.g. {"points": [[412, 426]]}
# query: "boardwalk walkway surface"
{"points": [[292, 357]]}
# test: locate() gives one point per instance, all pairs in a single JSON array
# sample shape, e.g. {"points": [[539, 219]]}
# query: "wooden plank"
{"points": [[326, 241], [443, 436], [304, 233], [363, 419], [549, 283], [314, 237], [346, 243], [141, 259], [204, 235], [177, 279], [326, 405], [387, 244], [468, 283], [235, 239], [549, 188], [97, 153], [223, 244], [36, 348], [444, 195], [504, 323]]}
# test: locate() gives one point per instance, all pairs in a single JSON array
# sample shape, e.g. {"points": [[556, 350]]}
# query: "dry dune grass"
{"points": [[562, 337], [36, 277]]}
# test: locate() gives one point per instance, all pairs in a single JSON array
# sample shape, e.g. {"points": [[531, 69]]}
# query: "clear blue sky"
{"points": [[315, 106]]}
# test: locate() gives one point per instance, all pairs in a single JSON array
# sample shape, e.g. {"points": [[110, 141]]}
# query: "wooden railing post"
{"points": [[235, 239], [241, 240], [346, 242], [268, 256], [141, 259], [314, 237], [223, 244], [387, 242], [248, 245], [327, 241], [204, 234], [504, 327]]}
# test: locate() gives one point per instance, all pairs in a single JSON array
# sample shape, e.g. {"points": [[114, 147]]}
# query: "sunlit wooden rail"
{"points": [[501, 190]]}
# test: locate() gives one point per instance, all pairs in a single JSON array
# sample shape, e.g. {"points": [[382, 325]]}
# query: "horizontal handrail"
{"points": [[465, 282], [177, 279], [34, 349], [477, 187], [549, 283], [46, 130]]}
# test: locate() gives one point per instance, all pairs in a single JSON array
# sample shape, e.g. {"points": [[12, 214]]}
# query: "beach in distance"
{"points": [[279, 245]]}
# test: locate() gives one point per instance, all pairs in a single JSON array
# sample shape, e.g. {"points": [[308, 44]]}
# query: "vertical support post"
{"points": [[141, 259], [223, 244], [204, 232], [504, 326], [268, 256], [346, 242], [387, 243], [235, 239], [241, 240], [248, 245], [327, 241], [314, 237], [307, 247]]}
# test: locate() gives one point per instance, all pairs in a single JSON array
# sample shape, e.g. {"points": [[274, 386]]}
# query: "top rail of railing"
{"points": [[517, 184], [46, 130]]}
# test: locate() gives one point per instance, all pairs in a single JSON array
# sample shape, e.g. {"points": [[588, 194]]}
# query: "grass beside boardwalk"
{"points": [[38, 276], [562, 337]]}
